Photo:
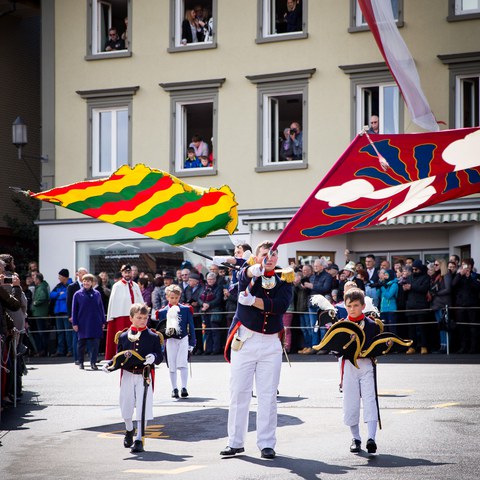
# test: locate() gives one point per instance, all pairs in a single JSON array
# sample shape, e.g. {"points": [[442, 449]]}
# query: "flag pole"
{"points": [[383, 162]]}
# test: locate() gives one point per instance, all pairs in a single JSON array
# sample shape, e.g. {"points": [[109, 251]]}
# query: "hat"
{"points": [[127, 266], [333, 266], [168, 275], [186, 264], [195, 276], [350, 267], [417, 264], [64, 273]]}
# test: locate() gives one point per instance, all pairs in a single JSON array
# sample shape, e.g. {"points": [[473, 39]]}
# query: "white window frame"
{"points": [[460, 101], [190, 93], [360, 106], [115, 99], [177, 15], [94, 49], [356, 16], [460, 10], [278, 84], [457, 12], [264, 19], [96, 140]]}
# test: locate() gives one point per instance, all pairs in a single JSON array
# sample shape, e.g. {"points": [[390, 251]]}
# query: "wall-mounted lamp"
{"points": [[19, 139]]}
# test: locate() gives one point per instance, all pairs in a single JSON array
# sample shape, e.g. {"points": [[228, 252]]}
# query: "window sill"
{"points": [[282, 166], [105, 55], [463, 16], [190, 47], [282, 37], [195, 172], [366, 28]]}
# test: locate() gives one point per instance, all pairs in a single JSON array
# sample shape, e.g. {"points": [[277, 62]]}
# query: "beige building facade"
{"points": [[251, 76]]}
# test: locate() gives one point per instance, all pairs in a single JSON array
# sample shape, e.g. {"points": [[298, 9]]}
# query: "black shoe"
{"points": [[137, 447], [229, 451], [268, 453], [184, 393], [175, 393], [371, 446], [80, 366], [128, 439], [77, 362], [355, 446], [93, 366]]}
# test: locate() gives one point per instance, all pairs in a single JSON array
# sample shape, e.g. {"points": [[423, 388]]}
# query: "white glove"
{"points": [[246, 255], [190, 349], [219, 261], [256, 270], [149, 359], [247, 300], [105, 368]]}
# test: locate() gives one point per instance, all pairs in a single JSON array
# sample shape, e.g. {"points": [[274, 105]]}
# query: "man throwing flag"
{"points": [[254, 348]]}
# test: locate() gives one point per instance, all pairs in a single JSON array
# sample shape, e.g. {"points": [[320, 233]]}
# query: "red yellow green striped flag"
{"points": [[150, 202]]}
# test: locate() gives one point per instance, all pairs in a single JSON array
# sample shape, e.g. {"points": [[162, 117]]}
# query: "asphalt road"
{"points": [[68, 425]]}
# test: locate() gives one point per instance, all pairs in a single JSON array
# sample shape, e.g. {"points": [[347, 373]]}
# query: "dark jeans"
{"points": [[64, 334], [94, 344]]}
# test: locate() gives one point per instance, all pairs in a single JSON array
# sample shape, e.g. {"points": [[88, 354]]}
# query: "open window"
{"points": [[281, 20], [194, 123], [282, 119], [193, 24], [110, 129], [358, 22], [109, 34]]}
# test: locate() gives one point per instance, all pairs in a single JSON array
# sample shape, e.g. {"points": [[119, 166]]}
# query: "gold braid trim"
{"points": [[388, 342], [380, 324], [117, 335], [116, 358], [162, 340]]}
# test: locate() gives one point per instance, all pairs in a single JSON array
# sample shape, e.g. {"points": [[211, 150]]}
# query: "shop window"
{"points": [[358, 22], [282, 118], [109, 34], [193, 24], [109, 132], [194, 126], [281, 20]]}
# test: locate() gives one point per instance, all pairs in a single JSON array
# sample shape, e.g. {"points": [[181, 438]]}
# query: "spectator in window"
{"points": [[286, 147], [114, 42], [200, 147], [192, 161], [293, 16], [192, 28], [374, 125], [205, 161], [295, 141], [125, 33]]}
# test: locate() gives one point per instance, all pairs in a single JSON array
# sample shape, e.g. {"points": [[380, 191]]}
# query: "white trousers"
{"points": [[359, 385], [259, 357], [177, 353], [131, 397]]}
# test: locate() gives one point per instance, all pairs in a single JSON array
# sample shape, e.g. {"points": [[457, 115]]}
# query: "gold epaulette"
{"points": [[288, 275], [251, 261], [380, 324], [162, 340], [117, 335]]}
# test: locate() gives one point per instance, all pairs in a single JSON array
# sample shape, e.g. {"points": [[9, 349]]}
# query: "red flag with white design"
{"points": [[379, 16]]}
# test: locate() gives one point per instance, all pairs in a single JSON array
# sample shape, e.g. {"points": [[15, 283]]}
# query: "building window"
{"points": [[109, 129], [281, 20], [464, 82], [282, 119], [463, 9], [109, 34], [374, 92], [194, 125], [193, 24], [358, 22]]}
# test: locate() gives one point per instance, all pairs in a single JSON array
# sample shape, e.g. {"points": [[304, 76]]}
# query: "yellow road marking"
{"points": [[445, 405], [395, 392], [174, 471], [403, 412], [152, 431]]}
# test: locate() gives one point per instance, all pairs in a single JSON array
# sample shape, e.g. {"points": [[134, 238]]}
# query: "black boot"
{"points": [[128, 439]]}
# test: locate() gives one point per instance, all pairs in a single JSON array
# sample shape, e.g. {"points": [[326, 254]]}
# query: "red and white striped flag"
{"points": [[379, 16]]}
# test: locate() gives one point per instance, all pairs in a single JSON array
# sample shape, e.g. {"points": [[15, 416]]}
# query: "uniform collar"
{"points": [[356, 320]]}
